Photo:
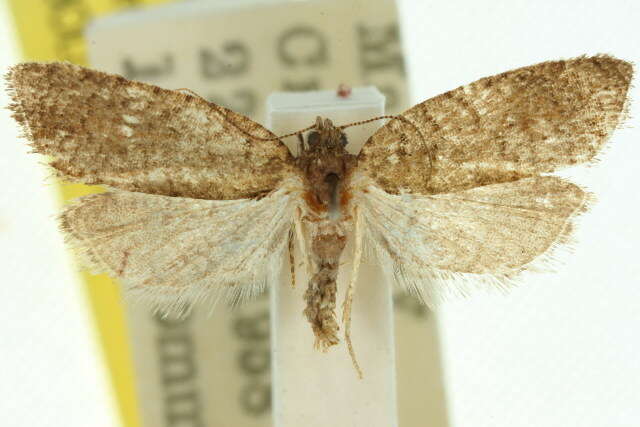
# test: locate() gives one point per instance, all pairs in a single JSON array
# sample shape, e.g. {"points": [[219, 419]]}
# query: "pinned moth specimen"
{"points": [[203, 202]]}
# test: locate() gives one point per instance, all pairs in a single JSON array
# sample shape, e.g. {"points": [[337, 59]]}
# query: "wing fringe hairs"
{"points": [[171, 252], [532, 220]]}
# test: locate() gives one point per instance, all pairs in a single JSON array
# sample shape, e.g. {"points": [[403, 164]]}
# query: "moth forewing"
{"points": [[103, 129], [502, 128]]}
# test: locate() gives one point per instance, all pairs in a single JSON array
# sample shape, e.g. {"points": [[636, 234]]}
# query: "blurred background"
{"points": [[561, 349]]}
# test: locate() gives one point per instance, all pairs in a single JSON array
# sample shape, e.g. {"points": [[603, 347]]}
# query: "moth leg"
{"points": [[300, 144], [291, 260], [301, 242], [348, 299]]}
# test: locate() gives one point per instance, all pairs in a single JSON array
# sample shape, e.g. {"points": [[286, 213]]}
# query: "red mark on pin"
{"points": [[344, 91]]}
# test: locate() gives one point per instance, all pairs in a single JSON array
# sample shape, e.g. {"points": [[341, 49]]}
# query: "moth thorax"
{"points": [[326, 165]]}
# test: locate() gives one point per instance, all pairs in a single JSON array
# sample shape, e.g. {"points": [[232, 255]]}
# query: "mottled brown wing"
{"points": [[104, 129], [498, 129]]}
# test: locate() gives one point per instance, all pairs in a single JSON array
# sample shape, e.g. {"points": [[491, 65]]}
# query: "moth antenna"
{"points": [[394, 117], [259, 138], [373, 119], [390, 117], [299, 132], [190, 92]]}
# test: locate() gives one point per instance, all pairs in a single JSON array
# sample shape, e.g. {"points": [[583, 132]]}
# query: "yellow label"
{"points": [[53, 30]]}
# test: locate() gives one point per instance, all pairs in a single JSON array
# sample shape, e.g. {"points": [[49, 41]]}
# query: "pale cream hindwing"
{"points": [[172, 250], [502, 128], [101, 128], [443, 244]]}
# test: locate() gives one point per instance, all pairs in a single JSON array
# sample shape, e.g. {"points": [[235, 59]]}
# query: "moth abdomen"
{"points": [[328, 242]]}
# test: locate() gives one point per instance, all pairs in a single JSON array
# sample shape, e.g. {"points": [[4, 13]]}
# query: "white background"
{"points": [[51, 373], [560, 350]]}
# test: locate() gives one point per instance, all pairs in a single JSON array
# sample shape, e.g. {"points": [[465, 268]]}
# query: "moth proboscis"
{"points": [[204, 203]]}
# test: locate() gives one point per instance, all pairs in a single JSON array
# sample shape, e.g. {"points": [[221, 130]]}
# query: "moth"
{"points": [[204, 203]]}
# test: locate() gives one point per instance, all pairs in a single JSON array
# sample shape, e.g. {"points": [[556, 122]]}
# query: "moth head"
{"points": [[326, 134]]}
